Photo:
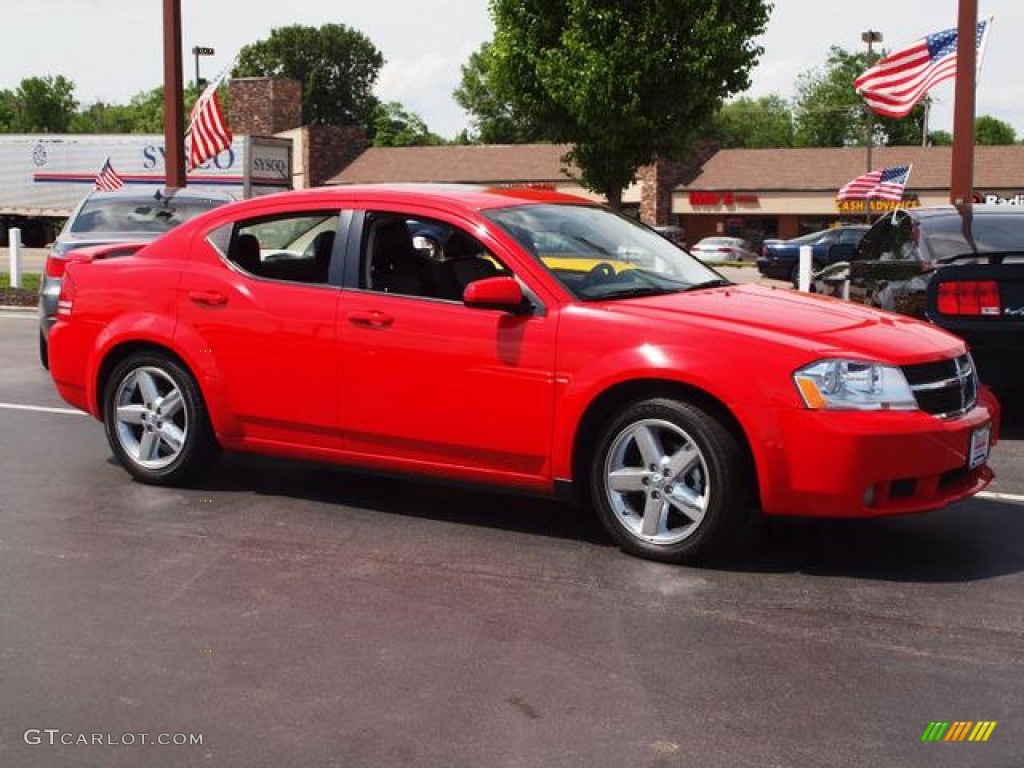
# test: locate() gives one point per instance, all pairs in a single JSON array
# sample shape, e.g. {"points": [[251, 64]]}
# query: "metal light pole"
{"points": [[197, 51], [870, 37]]}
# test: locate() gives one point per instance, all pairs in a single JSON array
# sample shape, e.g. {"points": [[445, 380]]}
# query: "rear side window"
{"points": [[294, 248]]}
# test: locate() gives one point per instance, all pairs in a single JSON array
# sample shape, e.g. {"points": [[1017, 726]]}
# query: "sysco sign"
{"points": [[153, 156]]}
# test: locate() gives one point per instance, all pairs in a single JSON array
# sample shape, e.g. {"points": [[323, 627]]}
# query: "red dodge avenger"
{"points": [[534, 341]]}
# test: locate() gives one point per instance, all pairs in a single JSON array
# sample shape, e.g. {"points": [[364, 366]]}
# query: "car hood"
{"points": [[820, 325]]}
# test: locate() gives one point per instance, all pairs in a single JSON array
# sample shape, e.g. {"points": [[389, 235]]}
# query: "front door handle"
{"points": [[372, 319], [208, 298]]}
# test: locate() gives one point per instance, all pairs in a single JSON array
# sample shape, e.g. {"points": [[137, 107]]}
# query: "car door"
{"points": [[258, 301], [425, 380]]}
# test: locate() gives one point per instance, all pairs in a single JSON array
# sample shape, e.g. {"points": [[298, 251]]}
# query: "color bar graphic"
{"points": [[958, 730]]}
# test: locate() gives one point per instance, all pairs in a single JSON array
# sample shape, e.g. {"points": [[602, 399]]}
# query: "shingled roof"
{"points": [[829, 168], [476, 164]]}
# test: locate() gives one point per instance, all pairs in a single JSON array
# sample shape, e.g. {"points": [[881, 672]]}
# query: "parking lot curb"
{"points": [[20, 310]]}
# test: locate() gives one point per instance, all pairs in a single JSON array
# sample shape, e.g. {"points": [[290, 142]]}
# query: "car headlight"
{"points": [[854, 385]]}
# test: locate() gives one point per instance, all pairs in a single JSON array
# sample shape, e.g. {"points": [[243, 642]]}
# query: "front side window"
{"points": [[294, 248], [422, 257], [597, 254]]}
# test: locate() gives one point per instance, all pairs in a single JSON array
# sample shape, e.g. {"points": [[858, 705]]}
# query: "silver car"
{"points": [[126, 215]]}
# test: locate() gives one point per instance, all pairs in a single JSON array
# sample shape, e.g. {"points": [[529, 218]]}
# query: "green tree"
{"points": [[940, 138], [753, 123], [828, 112], [990, 131], [337, 66], [395, 126], [623, 83], [8, 111], [39, 105], [492, 117], [144, 113]]}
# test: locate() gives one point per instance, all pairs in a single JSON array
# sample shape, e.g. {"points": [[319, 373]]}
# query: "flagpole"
{"points": [[961, 188], [870, 37]]}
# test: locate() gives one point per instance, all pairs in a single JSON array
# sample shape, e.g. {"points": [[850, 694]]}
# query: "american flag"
{"points": [[896, 83], [107, 178], [886, 184], [208, 132]]}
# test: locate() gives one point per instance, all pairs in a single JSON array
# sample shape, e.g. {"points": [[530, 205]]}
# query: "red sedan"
{"points": [[549, 345]]}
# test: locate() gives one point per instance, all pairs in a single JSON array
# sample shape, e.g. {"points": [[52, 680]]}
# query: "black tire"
{"points": [[721, 480], [44, 351], [175, 458]]}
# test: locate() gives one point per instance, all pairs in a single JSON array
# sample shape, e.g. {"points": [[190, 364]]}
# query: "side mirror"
{"points": [[502, 293]]}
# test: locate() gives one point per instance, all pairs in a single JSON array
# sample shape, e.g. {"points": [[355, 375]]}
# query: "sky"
{"points": [[112, 49]]}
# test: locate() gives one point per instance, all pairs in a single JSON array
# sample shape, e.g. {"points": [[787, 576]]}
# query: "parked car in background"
{"points": [[559, 348], [123, 216], [780, 259], [723, 249], [673, 233], [960, 268]]}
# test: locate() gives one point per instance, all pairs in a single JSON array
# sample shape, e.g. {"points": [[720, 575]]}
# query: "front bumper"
{"points": [[870, 464]]}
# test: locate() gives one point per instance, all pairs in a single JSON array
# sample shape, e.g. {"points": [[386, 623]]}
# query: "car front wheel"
{"points": [[670, 482], [156, 420]]}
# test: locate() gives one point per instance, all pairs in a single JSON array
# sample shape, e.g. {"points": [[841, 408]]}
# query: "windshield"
{"points": [[991, 233], [145, 215], [597, 254]]}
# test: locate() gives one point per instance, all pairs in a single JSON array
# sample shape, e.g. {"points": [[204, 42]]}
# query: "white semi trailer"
{"points": [[43, 176]]}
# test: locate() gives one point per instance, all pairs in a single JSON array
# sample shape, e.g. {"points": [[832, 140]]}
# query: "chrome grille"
{"points": [[945, 388]]}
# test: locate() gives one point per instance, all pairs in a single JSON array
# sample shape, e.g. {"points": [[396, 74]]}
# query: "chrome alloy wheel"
{"points": [[151, 418], [656, 481]]}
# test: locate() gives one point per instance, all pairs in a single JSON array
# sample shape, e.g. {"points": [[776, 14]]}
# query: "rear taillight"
{"points": [[969, 297], [55, 265], [67, 296]]}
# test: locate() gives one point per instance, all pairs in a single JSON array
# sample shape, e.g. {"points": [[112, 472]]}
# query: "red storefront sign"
{"points": [[728, 199]]}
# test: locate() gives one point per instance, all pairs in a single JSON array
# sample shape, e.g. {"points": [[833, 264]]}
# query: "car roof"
{"points": [[149, 194], [978, 209], [466, 196]]}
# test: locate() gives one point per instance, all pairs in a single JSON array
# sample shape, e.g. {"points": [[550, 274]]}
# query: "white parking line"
{"points": [[43, 409], [1015, 498]]}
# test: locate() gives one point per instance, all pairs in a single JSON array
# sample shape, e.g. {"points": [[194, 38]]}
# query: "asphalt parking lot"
{"points": [[295, 615]]}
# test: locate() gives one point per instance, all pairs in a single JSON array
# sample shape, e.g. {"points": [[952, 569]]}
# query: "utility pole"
{"points": [[174, 122], [870, 37], [961, 188]]}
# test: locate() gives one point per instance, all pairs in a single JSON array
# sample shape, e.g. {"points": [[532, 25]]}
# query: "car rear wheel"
{"points": [[44, 351], [670, 482], [156, 420]]}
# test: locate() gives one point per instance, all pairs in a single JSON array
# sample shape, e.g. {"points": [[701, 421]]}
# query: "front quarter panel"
{"points": [[600, 350]]}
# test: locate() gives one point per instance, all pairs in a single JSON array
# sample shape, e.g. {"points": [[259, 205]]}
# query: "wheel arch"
{"points": [[125, 349], [619, 395]]}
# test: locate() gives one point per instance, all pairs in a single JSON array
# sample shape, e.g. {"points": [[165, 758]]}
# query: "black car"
{"points": [[961, 268], [780, 259]]}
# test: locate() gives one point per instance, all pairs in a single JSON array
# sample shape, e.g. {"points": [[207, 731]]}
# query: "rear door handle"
{"points": [[373, 319], [208, 298]]}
